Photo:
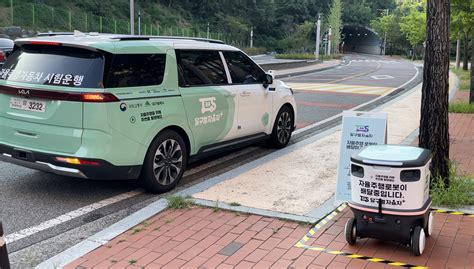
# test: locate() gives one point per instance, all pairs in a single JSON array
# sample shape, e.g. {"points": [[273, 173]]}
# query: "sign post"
{"points": [[359, 130]]}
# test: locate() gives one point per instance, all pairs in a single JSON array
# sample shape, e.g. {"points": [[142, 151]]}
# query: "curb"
{"points": [[307, 71]]}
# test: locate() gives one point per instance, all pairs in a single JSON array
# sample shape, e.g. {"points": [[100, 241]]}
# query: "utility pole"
{"points": [[139, 23], [385, 35], [318, 37], [208, 30], [251, 37], [132, 17], [329, 41]]}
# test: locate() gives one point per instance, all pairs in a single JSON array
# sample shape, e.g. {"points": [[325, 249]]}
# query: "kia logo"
{"points": [[24, 92]]}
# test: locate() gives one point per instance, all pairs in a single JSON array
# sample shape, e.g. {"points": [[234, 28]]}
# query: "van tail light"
{"points": [[77, 161], [2, 56], [98, 97], [49, 43]]}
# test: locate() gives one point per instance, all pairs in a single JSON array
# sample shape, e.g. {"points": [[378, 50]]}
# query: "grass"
{"points": [[136, 230], [464, 77], [255, 51], [216, 206], [306, 56], [179, 202], [235, 204], [461, 107], [458, 193]]}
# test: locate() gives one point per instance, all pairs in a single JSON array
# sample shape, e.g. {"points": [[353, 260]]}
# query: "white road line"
{"points": [[69, 216], [109, 201]]}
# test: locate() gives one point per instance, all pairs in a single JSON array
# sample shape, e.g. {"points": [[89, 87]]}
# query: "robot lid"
{"points": [[393, 156]]}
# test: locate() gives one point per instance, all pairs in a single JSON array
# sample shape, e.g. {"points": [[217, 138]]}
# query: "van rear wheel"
{"points": [[165, 162]]}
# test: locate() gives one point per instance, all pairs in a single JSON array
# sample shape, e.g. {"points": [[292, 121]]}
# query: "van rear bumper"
{"points": [[47, 163]]}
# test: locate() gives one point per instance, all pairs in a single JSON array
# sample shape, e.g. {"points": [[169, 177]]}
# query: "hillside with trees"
{"points": [[278, 25]]}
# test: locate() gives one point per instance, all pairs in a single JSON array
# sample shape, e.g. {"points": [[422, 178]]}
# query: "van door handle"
{"points": [[230, 95], [245, 93]]}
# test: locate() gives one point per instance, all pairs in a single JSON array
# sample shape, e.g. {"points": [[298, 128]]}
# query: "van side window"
{"points": [[132, 70], [200, 67], [242, 69]]}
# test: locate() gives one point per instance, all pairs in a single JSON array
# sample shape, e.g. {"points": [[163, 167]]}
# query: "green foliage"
{"points": [[179, 202], [462, 17], [458, 193], [295, 56], [461, 107], [357, 12], [255, 50], [335, 22], [464, 78], [299, 41], [413, 25]]}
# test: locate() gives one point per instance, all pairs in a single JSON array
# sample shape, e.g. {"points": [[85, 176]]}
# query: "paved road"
{"points": [[362, 78], [29, 200]]}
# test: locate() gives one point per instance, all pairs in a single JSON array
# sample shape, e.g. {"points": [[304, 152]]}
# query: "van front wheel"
{"points": [[165, 162], [282, 128]]}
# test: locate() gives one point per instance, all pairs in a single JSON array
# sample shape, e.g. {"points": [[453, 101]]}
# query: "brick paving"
{"points": [[203, 238], [461, 132]]}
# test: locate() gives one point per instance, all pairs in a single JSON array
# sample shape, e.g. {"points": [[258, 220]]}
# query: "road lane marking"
{"points": [[109, 201], [69, 216], [340, 88], [326, 105]]}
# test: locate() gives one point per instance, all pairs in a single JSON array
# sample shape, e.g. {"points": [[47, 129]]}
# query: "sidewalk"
{"points": [[204, 238], [461, 132], [295, 183]]}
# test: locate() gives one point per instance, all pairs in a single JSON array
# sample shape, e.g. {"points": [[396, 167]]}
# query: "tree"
{"points": [[434, 123], [335, 22], [357, 12], [463, 24], [412, 26]]}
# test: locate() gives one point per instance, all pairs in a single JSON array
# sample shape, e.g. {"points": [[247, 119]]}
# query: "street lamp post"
{"points": [[139, 23], [208, 30], [385, 35], [329, 41], [251, 37], [132, 17], [318, 36]]}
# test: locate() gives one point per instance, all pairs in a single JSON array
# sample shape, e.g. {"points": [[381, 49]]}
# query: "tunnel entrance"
{"points": [[360, 39]]}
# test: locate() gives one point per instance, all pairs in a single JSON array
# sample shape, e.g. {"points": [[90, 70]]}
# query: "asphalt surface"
{"points": [[29, 198]]}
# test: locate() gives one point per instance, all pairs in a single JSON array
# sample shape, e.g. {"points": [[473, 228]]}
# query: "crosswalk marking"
{"points": [[340, 88]]}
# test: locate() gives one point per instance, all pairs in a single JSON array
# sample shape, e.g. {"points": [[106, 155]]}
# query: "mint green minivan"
{"points": [[103, 106]]}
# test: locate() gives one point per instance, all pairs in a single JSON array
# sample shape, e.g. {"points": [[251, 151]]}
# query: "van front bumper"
{"points": [[47, 163]]}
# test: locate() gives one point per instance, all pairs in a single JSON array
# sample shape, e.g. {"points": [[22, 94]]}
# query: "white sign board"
{"points": [[359, 130]]}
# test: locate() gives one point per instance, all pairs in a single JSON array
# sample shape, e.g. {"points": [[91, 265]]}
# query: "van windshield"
{"points": [[54, 65]]}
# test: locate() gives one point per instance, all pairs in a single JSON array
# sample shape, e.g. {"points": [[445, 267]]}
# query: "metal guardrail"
{"points": [[4, 262]]}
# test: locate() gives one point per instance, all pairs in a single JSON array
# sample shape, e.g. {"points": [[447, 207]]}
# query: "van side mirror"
{"points": [[267, 80]]}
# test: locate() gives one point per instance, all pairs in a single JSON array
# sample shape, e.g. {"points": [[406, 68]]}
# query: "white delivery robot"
{"points": [[390, 195]]}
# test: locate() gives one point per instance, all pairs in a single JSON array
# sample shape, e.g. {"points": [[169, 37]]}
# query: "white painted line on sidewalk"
{"points": [[69, 216]]}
